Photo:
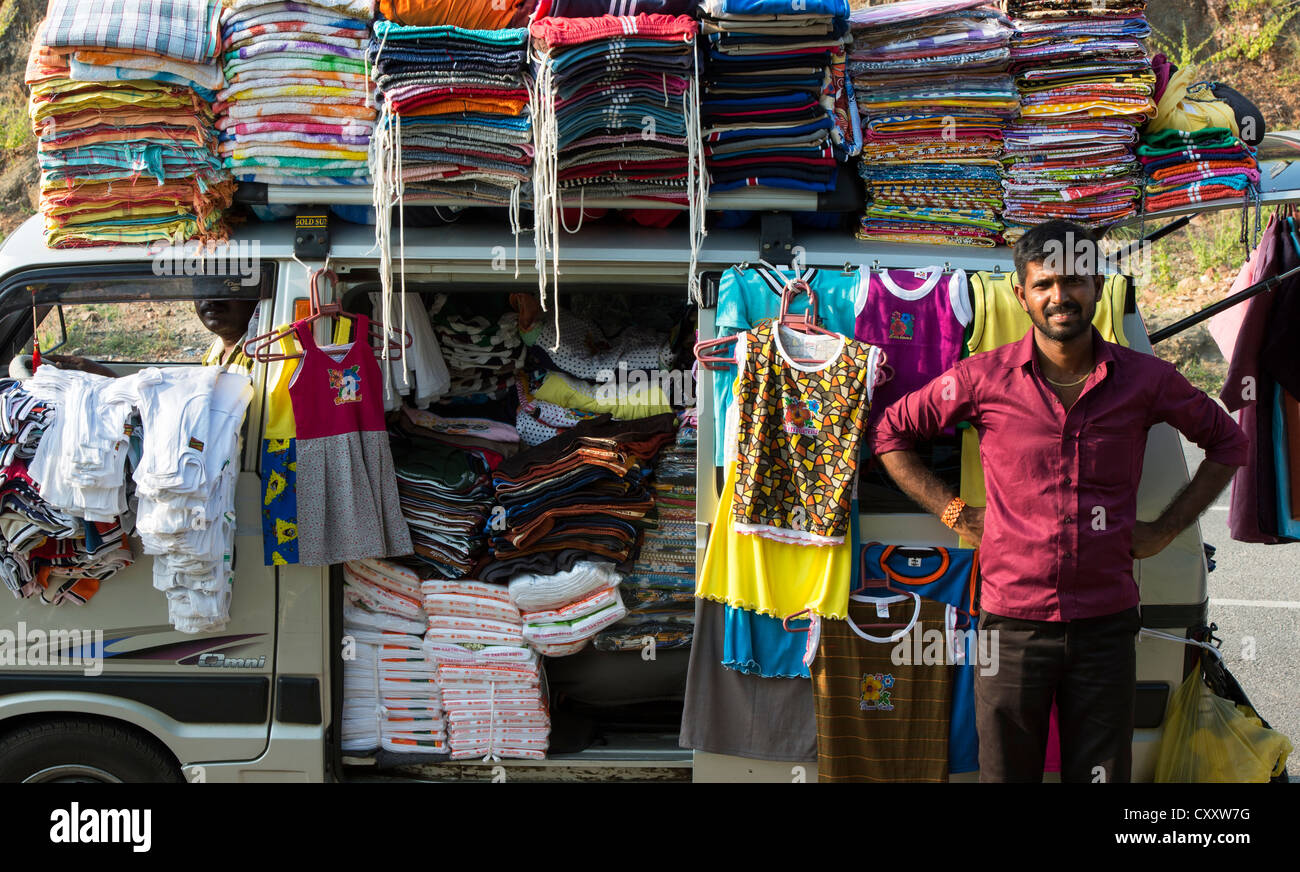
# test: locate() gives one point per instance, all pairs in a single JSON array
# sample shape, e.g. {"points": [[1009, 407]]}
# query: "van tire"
{"points": [[82, 749]]}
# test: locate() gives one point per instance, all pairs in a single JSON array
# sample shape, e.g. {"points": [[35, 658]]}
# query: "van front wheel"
{"points": [[82, 750]]}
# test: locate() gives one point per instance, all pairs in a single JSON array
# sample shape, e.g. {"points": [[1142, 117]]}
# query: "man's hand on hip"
{"points": [[1150, 538], [970, 524]]}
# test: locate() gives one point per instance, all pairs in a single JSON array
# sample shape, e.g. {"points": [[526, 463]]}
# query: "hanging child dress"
{"points": [[348, 506]]}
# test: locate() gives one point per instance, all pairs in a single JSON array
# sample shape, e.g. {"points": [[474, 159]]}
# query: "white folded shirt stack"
{"points": [[186, 485], [563, 611], [489, 678]]}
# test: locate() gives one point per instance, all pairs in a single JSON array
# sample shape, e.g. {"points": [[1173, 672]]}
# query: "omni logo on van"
{"points": [[221, 661]]}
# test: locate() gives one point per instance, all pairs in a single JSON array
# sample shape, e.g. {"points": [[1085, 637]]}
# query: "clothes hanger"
{"points": [[805, 323], [262, 347]]}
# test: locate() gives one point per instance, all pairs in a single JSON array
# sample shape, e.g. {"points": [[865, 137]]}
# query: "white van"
{"points": [[260, 700]]}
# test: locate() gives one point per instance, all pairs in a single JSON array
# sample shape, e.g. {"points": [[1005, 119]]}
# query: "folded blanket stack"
{"points": [[932, 83], [455, 107], [120, 105], [488, 677], [659, 591], [563, 611], [1085, 86], [390, 690], [1185, 167], [296, 109], [777, 107], [446, 495], [579, 496]]}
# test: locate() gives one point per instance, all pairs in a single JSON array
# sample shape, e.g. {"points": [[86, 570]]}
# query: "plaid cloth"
{"points": [[187, 30]]}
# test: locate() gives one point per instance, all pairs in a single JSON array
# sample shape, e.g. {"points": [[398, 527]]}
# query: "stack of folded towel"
{"points": [[1185, 167], [297, 108], [120, 104]]}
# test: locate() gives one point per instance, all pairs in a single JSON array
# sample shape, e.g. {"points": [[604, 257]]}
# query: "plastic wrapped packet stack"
{"points": [[1086, 85], [561, 612], [124, 123], [297, 108], [934, 93], [489, 679], [391, 695]]}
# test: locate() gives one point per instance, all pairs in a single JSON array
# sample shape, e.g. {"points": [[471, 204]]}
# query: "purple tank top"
{"points": [[909, 313]]}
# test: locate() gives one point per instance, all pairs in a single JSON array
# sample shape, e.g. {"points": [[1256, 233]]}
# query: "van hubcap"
{"points": [[71, 773]]}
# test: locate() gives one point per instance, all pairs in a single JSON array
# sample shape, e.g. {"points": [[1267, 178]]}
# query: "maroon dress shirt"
{"points": [[1062, 486]]}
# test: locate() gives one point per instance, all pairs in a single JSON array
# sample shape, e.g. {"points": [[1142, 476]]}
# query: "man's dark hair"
{"points": [[1052, 240]]}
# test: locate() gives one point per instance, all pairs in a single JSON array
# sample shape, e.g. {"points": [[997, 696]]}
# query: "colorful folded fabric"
{"points": [[125, 139], [777, 106], [297, 107], [1085, 87], [935, 95], [1186, 167], [456, 108]]}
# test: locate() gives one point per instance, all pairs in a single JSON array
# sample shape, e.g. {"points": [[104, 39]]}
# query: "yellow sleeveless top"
{"points": [[771, 577], [999, 320]]}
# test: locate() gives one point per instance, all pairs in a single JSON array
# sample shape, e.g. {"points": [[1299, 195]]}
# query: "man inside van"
{"points": [[233, 322], [1062, 417]]}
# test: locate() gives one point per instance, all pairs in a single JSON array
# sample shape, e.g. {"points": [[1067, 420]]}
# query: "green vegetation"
{"points": [[15, 129], [101, 332]]}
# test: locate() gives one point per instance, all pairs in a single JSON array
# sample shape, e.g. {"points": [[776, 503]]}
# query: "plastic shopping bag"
{"points": [[1209, 739]]}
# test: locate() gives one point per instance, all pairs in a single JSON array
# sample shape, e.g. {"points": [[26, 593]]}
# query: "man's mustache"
{"points": [[1067, 309]]}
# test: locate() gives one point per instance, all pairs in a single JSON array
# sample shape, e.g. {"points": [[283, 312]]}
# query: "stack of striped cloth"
{"points": [[488, 678], [660, 590], [617, 115], [1186, 167], [1086, 85], [296, 109], [391, 698], [120, 104], [932, 85], [776, 106], [454, 92]]}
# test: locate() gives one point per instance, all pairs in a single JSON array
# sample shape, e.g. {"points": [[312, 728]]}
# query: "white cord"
{"points": [[1157, 634]]}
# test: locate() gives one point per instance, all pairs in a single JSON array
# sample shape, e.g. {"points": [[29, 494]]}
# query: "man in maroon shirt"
{"points": [[1062, 417]]}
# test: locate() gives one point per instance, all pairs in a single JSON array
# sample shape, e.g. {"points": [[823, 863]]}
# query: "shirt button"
{"points": [[1067, 479], [1069, 520], [1068, 555]]}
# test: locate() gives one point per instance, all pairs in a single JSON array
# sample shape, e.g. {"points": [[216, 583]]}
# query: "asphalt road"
{"points": [[1255, 600]]}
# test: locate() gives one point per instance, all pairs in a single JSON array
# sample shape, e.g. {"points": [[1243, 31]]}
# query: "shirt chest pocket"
{"points": [[1110, 457]]}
